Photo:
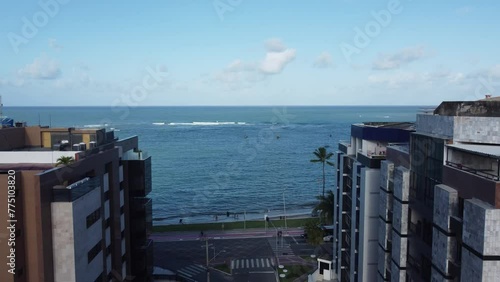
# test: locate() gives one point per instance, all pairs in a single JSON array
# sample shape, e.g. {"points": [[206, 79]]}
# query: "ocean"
{"points": [[209, 161]]}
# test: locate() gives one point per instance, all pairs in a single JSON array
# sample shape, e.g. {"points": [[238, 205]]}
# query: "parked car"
{"points": [[328, 238]]}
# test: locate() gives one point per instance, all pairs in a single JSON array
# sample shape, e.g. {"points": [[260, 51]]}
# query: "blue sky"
{"points": [[242, 52]]}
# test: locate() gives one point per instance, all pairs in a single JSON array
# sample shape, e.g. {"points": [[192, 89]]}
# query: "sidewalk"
{"points": [[229, 234]]}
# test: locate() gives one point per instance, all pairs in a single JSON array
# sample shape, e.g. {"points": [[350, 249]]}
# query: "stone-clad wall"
{"points": [[401, 183], [400, 217], [474, 224], [434, 124], [442, 248], [481, 232], [399, 249], [397, 275], [477, 129], [445, 205]]}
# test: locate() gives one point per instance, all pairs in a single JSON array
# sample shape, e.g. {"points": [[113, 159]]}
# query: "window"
{"points": [[93, 217], [94, 251]]}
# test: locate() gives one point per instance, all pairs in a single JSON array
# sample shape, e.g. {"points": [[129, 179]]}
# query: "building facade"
{"points": [[439, 203], [357, 192], [85, 221]]}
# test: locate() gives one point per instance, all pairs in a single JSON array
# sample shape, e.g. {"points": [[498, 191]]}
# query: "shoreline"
{"points": [[233, 217], [294, 222]]}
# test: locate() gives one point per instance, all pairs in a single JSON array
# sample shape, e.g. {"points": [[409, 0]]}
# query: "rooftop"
{"points": [[489, 107], [396, 125]]}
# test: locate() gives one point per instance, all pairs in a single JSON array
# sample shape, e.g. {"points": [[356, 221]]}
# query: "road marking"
{"points": [[262, 262], [267, 263], [251, 262], [184, 273], [237, 264], [272, 262], [248, 264], [295, 240], [232, 264], [257, 262]]}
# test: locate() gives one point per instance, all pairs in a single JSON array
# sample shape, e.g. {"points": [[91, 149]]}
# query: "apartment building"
{"points": [[357, 192], [438, 206], [85, 221]]}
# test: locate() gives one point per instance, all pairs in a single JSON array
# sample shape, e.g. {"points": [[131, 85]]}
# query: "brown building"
{"points": [[85, 221]]}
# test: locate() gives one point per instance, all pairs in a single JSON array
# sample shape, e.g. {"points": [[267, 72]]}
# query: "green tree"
{"points": [[325, 207], [322, 156], [64, 160], [314, 232]]}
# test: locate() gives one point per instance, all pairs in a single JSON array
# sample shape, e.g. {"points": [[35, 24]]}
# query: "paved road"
{"points": [[250, 259]]}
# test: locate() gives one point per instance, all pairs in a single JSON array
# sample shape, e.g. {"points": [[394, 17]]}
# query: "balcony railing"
{"points": [[486, 173], [370, 160]]}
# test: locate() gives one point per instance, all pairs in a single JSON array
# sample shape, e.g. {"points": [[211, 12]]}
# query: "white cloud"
{"points": [[400, 58], [275, 62], [54, 45], [324, 60], [241, 74], [42, 68], [275, 45]]}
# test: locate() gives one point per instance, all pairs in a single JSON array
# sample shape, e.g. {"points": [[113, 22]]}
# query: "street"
{"points": [[247, 258]]}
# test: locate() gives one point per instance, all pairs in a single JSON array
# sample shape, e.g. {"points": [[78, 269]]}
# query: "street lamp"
{"points": [[284, 208]]}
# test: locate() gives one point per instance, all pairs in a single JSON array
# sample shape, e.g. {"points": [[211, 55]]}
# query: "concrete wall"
{"points": [[72, 240], [45, 157], [368, 227]]}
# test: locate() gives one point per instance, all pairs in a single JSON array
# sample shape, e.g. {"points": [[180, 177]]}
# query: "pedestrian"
{"points": [[201, 233], [180, 221], [216, 217], [227, 214]]}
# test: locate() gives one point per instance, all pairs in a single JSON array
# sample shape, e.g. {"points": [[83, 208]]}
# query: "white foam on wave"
{"points": [[207, 123], [158, 123], [95, 125]]}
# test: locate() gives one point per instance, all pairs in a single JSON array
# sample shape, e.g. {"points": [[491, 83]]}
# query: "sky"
{"points": [[247, 52]]}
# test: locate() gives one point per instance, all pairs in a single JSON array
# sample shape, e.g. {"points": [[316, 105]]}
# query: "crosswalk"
{"points": [[252, 263], [280, 250], [188, 272]]}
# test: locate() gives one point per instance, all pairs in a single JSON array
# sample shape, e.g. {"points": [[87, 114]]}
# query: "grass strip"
{"points": [[296, 222]]}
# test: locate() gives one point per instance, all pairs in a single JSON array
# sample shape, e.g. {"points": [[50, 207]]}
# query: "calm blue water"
{"points": [[210, 160]]}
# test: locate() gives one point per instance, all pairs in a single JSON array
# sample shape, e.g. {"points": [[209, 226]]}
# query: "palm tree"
{"points": [[322, 157], [325, 206], [64, 160]]}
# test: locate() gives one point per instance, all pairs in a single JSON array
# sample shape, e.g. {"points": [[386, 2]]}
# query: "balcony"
{"points": [[139, 176], [74, 191], [369, 159], [345, 147], [485, 173]]}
